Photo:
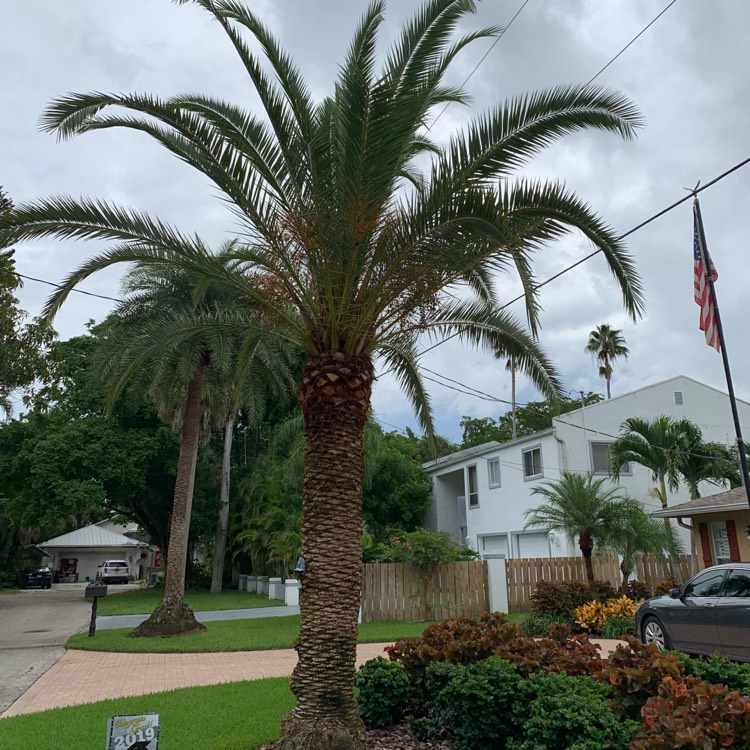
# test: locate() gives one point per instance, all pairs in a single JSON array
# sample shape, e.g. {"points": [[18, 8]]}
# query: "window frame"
{"points": [[469, 493], [494, 485], [628, 471], [531, 449], [715, 526]]}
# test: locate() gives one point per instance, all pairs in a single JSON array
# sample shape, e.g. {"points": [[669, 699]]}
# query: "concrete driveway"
{"points": [[34, 625]]}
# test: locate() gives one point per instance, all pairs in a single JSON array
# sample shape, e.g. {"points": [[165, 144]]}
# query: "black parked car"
{"points": [[41, 577], [710, 613]]}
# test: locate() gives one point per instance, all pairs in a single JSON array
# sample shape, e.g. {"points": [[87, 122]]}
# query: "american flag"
{"points": [[702, 292]]}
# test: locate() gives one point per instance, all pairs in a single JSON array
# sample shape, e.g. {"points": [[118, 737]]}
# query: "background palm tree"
{"points": [[510, 366], [176, 335], [657, 444], [632, 533], [607, 344], [358, 253], [580, 507]]}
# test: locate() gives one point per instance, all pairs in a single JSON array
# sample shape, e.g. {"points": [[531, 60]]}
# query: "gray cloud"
{"points": [[689, 74]]}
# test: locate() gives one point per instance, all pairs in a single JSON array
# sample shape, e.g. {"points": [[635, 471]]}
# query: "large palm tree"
{"points": [[580, 507], [358, 252], [632, 532], [177, 336], [607, 344]]}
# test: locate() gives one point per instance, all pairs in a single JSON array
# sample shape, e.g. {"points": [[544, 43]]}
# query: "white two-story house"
{"points": [[480, 494]]}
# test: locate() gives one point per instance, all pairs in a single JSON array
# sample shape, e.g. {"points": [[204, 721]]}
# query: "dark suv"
{"points": [[41, 577]]}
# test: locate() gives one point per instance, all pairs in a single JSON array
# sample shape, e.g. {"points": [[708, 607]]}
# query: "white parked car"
{"points": [[114, 571]]}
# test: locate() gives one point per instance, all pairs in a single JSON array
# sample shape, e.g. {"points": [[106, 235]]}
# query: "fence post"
{"points": [[498, 584]]}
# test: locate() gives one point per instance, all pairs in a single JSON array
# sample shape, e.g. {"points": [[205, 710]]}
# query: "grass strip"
{"points": [[144, 602], [232, 716], [234, 635]]}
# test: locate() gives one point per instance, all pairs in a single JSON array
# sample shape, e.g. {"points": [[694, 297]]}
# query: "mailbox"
{"points": [[96, 589]]}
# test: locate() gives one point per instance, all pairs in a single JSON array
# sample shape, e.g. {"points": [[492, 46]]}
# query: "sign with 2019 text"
{"points": [[139, 732]]}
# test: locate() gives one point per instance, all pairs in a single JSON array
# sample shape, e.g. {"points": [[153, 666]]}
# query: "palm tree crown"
{"points": [[607, 344], [356, 250], [580, 507]]}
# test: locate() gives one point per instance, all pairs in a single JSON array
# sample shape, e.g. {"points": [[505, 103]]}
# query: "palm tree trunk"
{"points": [[334, 394], [609, 389], [173, 616], [587, 547], [220, 542]]}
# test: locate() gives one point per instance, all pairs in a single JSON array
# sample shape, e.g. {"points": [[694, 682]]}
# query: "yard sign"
{"points": [[139, 732]]}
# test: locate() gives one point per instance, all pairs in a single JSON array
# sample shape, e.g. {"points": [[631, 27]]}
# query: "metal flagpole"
{"points": [[706, 259]]}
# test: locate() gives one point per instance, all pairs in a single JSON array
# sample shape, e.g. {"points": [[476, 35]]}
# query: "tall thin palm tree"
{"points": [[580, 507], [357, 249], [177, 336], [607, 344]]}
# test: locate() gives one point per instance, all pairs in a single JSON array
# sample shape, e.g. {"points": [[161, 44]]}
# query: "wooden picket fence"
{"points": [[523, 574], [417, 593]]}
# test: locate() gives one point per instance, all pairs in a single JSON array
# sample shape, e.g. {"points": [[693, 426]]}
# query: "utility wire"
{"points": [[642, 31], [484, 57], [658, 215], [60, 286]]}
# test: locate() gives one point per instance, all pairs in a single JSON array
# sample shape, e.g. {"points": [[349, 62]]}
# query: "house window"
{"points": [[471, 472], [493, 472], [532, 463], [678, 398], [720, 539], [600, 459]]}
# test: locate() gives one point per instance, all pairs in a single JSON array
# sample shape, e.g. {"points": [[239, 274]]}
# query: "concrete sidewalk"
{"points": [[89, 676], [131, 621]]}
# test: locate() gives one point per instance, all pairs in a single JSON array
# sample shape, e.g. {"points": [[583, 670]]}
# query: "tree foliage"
{"points": [[532, 417]]}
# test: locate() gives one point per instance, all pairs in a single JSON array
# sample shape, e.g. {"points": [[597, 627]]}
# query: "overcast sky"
{"points": [[689, 74]]}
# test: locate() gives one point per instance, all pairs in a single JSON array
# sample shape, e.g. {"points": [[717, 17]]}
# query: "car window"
{"points": [[738, 583], [707, 584]]}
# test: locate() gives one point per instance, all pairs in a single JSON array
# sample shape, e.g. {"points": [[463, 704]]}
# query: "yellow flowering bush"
{"points": [[593, 615]]}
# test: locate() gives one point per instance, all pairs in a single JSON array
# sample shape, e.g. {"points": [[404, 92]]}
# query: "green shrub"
{"points": [[533, 624], [198, 577], [383, 692], [424, 547], [475, 707], [694, 715], [718, 670], [619, 627], [635, 672], [558, 712], [562, 597]]}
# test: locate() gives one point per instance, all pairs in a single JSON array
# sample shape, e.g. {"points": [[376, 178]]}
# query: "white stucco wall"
{"points": [[494, 526], [89, 559]]}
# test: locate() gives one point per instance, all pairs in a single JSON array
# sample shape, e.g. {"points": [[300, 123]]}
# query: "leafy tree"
{"points": [[399, 491], [607, 344], [706, 461], [633, 532], [23, 346], [580, 507], [356, 252], [533, 417]]}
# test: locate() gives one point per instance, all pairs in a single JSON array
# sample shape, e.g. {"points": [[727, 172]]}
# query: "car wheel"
{"points": [[652, 631]]}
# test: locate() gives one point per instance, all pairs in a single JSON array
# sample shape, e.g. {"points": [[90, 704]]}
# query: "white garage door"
{"points": [[496, 544], [535, 544]]}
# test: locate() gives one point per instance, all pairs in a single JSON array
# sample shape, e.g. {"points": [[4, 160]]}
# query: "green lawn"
{"points": [[234, 716], [234, 635], [144, 602]]}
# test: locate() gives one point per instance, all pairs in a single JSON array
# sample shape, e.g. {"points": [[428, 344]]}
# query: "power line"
{"points": [[655, 216], [60, 286], [642, 31], [484, 57]]}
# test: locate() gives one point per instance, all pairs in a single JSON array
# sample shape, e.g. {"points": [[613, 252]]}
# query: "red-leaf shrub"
{"points": [[694, 715], [635, 672], [637, 591], [562, 597]]}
